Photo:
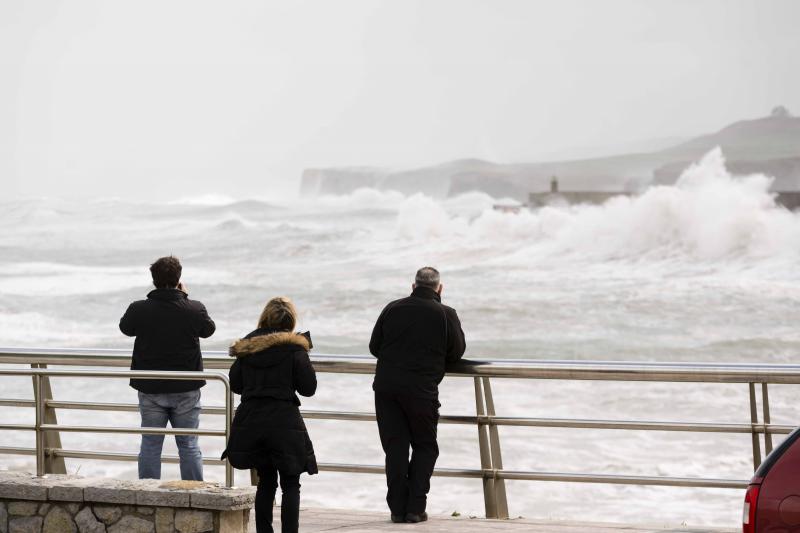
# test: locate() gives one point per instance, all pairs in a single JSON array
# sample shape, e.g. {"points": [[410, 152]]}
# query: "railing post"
{"points": [[486, 457], [228, 420], [753, 423], [501, 502], [51, 439], [37, 400], [765, 406]]}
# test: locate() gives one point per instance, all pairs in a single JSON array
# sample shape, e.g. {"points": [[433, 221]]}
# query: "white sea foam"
{"points": [[42, 279], [59, 279], [29, 328], [363, 198], [708, 214], [205, 200]]}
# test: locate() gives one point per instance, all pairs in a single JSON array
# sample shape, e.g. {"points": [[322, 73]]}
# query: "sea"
{"points": [[704, 270]]}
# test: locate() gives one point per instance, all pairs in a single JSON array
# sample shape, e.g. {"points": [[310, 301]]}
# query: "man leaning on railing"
{"points": [[167, 326], [413, 339]]}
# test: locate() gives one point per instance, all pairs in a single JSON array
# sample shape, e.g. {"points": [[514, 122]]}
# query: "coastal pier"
{"points": [[555, 197]]}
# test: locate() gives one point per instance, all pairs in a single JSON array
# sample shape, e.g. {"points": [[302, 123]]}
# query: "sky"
{"points": [[164, 100]]}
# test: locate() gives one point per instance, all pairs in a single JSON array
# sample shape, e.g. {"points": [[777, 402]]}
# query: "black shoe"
{"points": [[414, 518], [398, 519]]}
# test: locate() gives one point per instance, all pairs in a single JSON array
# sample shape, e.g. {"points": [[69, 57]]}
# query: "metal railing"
{"points": [[47, 428], [486, 419]]}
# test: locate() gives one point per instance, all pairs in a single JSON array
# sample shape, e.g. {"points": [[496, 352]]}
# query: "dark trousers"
{"points": [[405, 421], [290, 501]]}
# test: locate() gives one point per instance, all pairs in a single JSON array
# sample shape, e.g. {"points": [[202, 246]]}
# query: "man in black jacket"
{"points": [[413, 339], [167, 326]]}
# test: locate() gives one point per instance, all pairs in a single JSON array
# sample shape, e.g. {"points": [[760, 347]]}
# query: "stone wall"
{"points": [[68, 504]]}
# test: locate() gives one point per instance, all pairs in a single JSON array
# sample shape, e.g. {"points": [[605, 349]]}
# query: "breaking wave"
{"points": [[708, 214]]}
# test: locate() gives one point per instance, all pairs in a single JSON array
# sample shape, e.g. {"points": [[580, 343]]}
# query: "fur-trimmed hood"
{"points": [[255, 343]]}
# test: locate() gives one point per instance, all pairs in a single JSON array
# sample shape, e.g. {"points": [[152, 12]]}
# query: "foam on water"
{"points": [[58, 279], [205, 200], [24, 328], [708, 215], [360, 199]]}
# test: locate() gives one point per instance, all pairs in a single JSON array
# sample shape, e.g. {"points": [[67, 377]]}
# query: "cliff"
{"points": [[769, 145]]}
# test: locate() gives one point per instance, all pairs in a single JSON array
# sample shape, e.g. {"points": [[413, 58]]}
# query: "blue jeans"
{"points": [[182, 410]]}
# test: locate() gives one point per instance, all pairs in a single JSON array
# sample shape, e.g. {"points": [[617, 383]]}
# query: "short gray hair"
{"points": [[428, 277]]}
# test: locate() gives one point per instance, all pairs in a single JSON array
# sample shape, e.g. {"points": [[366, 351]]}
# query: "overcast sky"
{"points": [[167, 99]]}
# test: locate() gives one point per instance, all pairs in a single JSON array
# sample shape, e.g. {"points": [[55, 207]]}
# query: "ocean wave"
{"points": [[60, 279], [708, 214], [204, 200], [31, 328], [359, 199]]}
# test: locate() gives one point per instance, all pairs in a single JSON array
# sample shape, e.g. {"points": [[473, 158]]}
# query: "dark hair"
{"points": [[166, 272], [427, 277]]}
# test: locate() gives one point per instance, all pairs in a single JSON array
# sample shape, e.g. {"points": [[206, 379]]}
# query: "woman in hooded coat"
{"points": [[268, 434]]}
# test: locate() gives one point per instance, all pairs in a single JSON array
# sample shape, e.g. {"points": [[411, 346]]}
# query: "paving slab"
{"points": [[346, 521]]}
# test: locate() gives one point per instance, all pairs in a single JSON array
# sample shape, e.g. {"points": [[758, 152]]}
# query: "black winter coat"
{"points": [[167, 326], [413, 339], [268, 431]]}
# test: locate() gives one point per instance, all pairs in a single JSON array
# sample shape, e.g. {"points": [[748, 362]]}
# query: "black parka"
{"points": [[270, 369], [413, 339], [167, 326]]}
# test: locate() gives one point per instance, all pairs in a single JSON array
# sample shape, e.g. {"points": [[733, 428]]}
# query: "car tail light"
{"points": [[749, 511]]}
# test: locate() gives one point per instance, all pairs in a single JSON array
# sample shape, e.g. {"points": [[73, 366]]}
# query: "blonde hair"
{"points": [[279, 313]]}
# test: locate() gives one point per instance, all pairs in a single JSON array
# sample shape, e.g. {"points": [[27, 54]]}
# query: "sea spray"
{"points": [[708, 214]]}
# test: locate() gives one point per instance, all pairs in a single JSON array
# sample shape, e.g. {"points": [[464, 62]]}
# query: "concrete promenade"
{"points": [[345, 521]]}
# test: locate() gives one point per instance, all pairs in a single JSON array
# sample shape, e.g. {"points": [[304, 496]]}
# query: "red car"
{"points": [[772, 500]]}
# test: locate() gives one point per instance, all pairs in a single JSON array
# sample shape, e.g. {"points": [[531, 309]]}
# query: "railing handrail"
{"points": [[136, 374], [610, 370], [487, 421]]}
